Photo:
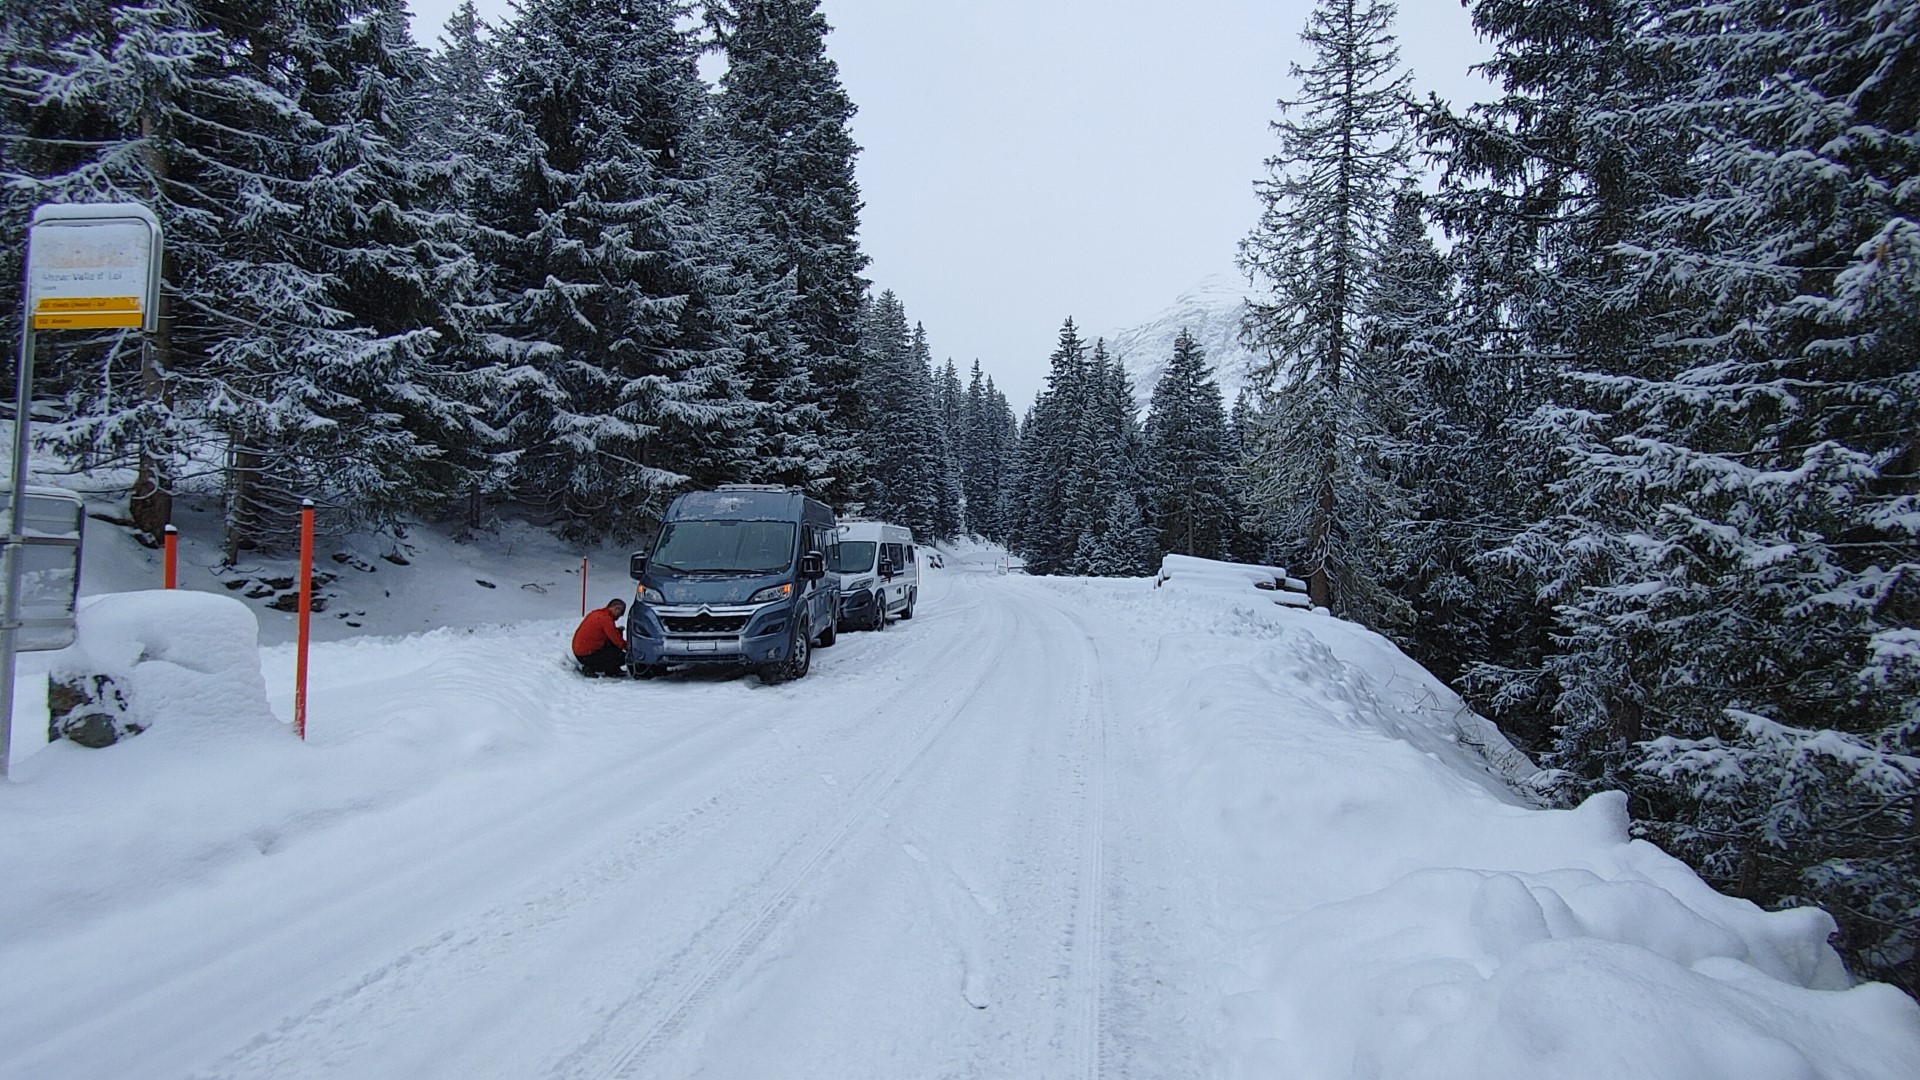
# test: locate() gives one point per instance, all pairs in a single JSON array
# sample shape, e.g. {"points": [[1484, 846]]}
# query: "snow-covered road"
{"points": [[1044, 829], [907, 863]]}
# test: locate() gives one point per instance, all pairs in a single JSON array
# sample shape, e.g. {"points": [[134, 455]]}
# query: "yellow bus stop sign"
{"points": [[93, 266]]}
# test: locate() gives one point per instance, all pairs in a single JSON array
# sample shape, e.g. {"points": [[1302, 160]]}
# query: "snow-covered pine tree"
{"points": [[785, 119], [617, 314], [985, 452], [344, 388], [112, 102], [1315, 464], [1041, 497], [1186, 446], [1122, 542], [304, 284], [1755, 477], [952, 403], [912, 481], [1437, 452], [1249, 542], [949, 517], [1538, 188], [466, 132]]}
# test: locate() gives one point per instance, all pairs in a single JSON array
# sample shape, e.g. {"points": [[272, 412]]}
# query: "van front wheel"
{"points": [[798, 662]]}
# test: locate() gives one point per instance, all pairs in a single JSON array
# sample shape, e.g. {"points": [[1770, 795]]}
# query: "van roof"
{"points": [[747, 504], [880, 528]]}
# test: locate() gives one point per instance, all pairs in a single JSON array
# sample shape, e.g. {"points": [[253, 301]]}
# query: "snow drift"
{"points": [[1399, 907]]}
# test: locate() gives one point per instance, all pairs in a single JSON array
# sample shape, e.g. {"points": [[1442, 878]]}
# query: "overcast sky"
{"points": [[1027, 160]]}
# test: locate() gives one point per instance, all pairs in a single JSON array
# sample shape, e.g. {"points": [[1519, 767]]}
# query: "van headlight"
{"points": [[856, 585], [769, 595], [646, 595]]}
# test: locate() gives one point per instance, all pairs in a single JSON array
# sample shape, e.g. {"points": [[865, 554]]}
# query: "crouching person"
{"points": [[598, 644]]}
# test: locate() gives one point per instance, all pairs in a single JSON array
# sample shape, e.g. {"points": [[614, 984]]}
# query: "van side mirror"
{"points": [[813, 566], [886, 567], [636, 565]]}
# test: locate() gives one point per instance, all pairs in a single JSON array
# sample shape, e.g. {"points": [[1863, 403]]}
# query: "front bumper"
{"points": [[659, 636], [857, 607]]}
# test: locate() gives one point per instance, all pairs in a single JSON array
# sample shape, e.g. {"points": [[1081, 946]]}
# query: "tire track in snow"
{"points": [[1089, 934], [403, 987], [627, 1063]]}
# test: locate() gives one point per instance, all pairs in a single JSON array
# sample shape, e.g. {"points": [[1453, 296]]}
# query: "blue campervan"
{"points": [[737, 575]]}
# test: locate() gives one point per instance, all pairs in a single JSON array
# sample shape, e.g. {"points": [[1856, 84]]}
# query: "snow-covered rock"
{"points": [[189, 658]]}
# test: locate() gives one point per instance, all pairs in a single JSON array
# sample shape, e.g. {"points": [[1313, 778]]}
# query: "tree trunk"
{"points": [[151, 505], [243, 477], [1750, 875]]}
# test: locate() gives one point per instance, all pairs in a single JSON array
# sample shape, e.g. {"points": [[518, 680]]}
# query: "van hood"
{"points": [[710, 589]]}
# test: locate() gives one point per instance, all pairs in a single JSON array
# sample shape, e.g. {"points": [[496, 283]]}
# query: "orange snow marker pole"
{"points": [[583, 588], [306, 610], [170, 577]]}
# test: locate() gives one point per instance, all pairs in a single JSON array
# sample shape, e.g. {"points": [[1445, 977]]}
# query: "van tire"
{"points": [[912, 595], [831, 634], [798, 662], [879, 611]]}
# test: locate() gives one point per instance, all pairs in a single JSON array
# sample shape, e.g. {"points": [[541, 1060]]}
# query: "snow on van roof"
{"points": [[735, 505]]}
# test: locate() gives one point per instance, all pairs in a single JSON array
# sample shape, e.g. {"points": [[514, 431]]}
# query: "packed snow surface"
{"points": [[1046, 828]]}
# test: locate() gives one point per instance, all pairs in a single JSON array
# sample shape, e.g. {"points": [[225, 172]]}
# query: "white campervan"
{"points": [[879, 573]]}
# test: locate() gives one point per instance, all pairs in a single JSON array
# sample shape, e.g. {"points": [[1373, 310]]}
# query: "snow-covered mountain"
{"points": [[1212, 310]]}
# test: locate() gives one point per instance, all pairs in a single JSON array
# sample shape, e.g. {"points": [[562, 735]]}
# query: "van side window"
{"points": [[893, 553], [910, 556]]}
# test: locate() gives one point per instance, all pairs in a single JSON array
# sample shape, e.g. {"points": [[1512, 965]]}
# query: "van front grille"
{"points": [[704, 624]]}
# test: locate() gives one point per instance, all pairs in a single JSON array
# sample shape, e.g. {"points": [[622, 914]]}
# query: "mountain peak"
{"points": [[1212, 310]]}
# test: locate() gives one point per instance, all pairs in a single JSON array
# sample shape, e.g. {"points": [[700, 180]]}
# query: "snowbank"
{"points": [[1398, 909], [218, 779]]}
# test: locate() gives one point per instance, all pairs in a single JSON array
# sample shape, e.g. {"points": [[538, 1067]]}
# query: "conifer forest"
{"points": [[1600, 398]]}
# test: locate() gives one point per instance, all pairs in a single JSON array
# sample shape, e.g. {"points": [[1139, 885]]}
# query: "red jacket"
{"points": [[596, 632]]}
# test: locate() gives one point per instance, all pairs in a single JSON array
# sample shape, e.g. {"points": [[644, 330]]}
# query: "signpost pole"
{"points": [[170, 577], [16, 519], [583, 588], [306, 607]]}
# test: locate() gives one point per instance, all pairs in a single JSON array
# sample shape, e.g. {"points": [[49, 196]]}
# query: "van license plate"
{"points": [[703, 646]]}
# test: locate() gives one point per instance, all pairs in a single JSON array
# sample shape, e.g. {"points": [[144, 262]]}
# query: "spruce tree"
{"points": [[1539, 188], [617, 317], [1315, 462], [785, 119], [1039, 506], [1751, 654], [1186, 451], [306, 288]]}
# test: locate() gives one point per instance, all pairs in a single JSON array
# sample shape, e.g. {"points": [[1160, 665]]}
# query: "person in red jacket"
{"points": [[598, 644]]}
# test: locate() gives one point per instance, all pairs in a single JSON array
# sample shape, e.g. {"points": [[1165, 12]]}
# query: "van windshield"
{"points": [[728, 547], [856, 557]]}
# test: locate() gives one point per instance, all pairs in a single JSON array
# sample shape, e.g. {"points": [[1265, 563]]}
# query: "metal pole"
{"points": [[583, 588], [170, 577], [306, 607], [16, 521]]}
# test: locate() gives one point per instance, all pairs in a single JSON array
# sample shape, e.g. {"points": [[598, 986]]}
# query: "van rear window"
{"points": [[741, 547]]}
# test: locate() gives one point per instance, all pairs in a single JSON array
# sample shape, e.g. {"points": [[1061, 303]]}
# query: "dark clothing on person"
{"points": [[609, 660]]}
